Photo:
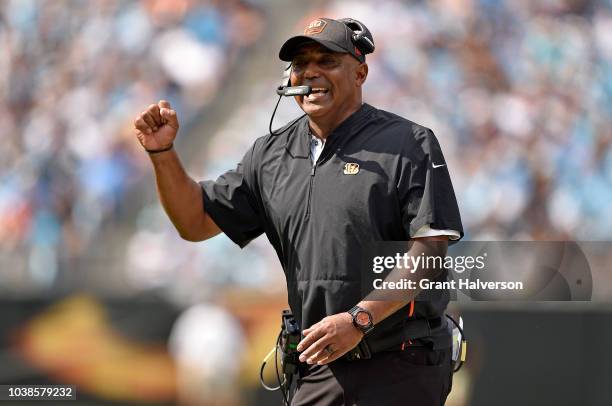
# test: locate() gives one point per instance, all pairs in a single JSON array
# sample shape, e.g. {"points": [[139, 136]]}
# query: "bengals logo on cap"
{"points": [[315, 27]]}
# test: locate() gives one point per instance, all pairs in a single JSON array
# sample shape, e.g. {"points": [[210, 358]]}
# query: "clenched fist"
{"points": [[156, 127]]}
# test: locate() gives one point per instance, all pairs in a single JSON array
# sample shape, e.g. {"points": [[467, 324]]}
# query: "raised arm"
{"points": [[180, 195]]}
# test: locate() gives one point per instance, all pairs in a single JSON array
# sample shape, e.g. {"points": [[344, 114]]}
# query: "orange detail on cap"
{"points": [[315, 27], [411, 311], [357, 51]]}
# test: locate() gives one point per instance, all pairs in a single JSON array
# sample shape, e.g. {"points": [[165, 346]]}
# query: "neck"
{"points": [[322, 127]]}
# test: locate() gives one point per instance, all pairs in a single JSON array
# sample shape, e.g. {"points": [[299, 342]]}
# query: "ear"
{"points": [[361, 73]]}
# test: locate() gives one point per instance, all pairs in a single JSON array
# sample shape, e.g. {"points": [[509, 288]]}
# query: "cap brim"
{"points": [[292, 44]]}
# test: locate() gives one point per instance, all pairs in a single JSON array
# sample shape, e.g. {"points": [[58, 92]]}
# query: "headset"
{"points": [[361, 42], [359, 37], [288, 90]]}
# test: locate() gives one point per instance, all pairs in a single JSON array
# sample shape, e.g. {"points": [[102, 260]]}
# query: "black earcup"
{"points": [[363, 43], [361, 35]]}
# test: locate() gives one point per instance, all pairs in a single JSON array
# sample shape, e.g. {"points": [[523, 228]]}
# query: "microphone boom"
{"points": [[293, 90]]}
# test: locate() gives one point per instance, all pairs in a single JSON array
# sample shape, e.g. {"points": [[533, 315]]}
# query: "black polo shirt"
{"points": [[319, 218]]}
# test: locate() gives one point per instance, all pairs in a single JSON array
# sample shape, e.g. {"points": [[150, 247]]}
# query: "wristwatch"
{"points": [[362, 319]]}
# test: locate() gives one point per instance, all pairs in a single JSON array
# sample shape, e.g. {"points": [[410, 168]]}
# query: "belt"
{"points": [[397, 339]]}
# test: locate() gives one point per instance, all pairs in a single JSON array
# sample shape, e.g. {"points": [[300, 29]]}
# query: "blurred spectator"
{"points": [[72, 76], [207, 344]]}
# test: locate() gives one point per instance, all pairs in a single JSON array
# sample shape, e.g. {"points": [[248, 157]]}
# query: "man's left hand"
{"points": [[329, 339]]}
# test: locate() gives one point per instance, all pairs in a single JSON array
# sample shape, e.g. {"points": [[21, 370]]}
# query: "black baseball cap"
{"points": [[335, 35]]}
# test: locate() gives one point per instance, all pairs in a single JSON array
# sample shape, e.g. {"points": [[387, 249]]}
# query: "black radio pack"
{"points": [[286, 343], [289, 340]]}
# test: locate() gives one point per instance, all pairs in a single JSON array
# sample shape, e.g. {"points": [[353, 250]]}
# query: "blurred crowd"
{"points": [[519, 94], [73, 74]]}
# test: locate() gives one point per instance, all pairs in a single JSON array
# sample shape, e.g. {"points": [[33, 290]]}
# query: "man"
{"points": [[342, 176]]}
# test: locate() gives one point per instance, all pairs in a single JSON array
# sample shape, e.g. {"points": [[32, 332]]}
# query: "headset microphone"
{"points": [[288, 90], [293, 90]]}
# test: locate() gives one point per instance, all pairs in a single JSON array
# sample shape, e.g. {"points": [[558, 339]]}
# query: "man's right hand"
{"points": [[157, 126]]}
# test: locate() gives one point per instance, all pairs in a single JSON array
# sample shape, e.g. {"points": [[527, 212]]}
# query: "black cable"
{"points": [[272, 119], [282, 389]]}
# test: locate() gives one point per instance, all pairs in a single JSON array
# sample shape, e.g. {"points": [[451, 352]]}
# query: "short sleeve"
{"points": [[231, 203], [427, 231], [424, 187]]}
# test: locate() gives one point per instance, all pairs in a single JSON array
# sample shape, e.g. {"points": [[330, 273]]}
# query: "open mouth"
{"points": [[319, 90], [317, 93]]}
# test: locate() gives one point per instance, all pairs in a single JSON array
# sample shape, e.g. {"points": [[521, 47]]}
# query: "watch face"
{"points": [[362, 319]]}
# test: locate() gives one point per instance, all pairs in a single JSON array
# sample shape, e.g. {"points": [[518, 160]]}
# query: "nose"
{"points": [[307, 72], [311, 71]]}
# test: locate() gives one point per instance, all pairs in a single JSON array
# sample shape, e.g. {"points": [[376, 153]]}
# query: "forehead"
{"points": [[313, 49]]}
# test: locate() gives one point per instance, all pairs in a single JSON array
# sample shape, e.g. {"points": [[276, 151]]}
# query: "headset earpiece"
{"points": [[360, 39], [363, 43]]}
